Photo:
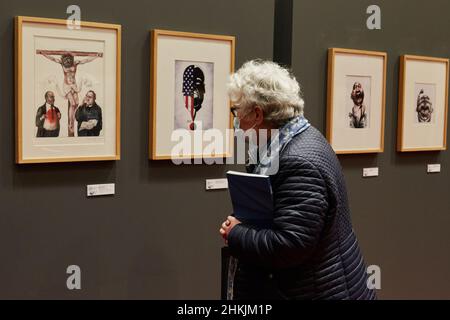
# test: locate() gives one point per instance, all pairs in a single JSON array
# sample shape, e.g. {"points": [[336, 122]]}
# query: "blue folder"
{"points": [[251, 196]]}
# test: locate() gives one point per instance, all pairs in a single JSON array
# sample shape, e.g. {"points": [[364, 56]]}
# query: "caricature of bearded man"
{"points": [[424, 107], [358, 116]]}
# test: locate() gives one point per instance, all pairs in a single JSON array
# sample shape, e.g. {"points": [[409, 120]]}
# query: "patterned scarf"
{"points": [[277, 143]]}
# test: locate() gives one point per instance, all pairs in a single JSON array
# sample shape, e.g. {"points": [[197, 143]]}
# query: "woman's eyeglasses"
{"points": [[233, 110]]}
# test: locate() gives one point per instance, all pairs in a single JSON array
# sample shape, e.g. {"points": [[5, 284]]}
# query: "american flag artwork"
{"points": [[188, 89], [193, 102]]}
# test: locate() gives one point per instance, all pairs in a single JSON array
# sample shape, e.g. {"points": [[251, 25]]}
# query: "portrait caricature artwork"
{"points": [[194, 89], [424, 107], [423, 104], [68, 91], [359, 88], [48, 117], [356, 100]]}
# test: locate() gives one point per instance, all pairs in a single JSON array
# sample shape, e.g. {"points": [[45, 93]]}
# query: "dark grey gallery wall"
{"points": [[402, 218], [157, 238]]}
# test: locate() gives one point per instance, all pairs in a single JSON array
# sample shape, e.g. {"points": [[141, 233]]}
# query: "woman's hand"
{"points": [[227, 226]]}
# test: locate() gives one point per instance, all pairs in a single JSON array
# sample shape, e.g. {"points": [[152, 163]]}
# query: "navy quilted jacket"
{"points": [[311, 251]]}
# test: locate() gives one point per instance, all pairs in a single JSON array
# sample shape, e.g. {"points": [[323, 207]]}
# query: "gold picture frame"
{"points": [[185, 40], [429, 76], [65, 152], [353, 136]]}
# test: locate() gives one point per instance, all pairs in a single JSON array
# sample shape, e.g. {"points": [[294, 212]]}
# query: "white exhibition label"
{"points": [[100, 189], [212, 184], [370, 172], [432, 168]]}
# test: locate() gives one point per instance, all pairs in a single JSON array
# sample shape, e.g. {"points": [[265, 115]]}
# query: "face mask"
{"points": [[236, 123], [240, 132], [253, 153], [252, 148]]}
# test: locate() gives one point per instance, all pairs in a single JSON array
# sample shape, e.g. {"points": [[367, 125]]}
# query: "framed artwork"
{"points": [[189, 72], [67, 91], [423, 104], [356, 100]]}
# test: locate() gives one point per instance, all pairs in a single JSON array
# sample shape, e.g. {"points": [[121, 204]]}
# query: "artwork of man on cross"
{"points": [[70, 89]]}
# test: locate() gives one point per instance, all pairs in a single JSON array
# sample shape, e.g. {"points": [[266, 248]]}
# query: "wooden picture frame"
{"points": [[173, 52], [423, 104], [71, 74], [356, 87]]}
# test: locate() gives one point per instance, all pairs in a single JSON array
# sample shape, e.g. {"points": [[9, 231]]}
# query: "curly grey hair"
{"points": [[269, 86]]}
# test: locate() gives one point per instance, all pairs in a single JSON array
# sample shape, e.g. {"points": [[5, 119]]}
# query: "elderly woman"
{"points": [[310, 250]]}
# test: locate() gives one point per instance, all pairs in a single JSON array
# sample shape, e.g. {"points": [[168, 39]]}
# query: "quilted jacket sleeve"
{"points": [[300, 205]]}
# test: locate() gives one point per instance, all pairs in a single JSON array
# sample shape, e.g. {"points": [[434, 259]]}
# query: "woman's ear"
{"points": [[259, 118]]}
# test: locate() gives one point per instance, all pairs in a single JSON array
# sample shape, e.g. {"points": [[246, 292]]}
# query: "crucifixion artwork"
{"points": [[67, 91], [70, 89]]}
